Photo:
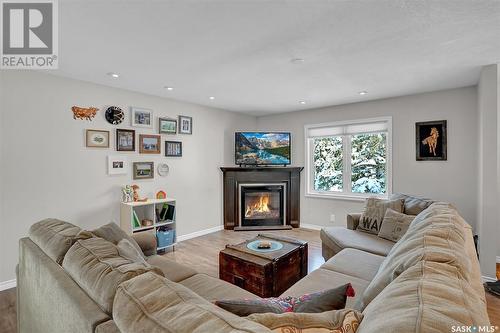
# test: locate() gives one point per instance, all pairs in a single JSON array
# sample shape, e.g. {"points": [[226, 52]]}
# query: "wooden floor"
{"points": [[202, 253]]}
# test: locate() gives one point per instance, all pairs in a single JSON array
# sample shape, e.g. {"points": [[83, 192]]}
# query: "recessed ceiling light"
{"points": [[302, 102], [115, 75], [212, 98], [297, 61], [363, 92], [168, 88]]}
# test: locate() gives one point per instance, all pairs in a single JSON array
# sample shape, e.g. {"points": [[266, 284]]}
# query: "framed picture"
{"points": [[173, 148], [141, 117], [97, 138], [144, 170], [167, 126], [125, 140], [149, 144], [117, 165], [185, 125], [431, 140]]}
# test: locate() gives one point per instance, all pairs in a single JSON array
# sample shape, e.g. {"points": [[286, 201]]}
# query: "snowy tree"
{"points": [[328, 164], [367, 161]]}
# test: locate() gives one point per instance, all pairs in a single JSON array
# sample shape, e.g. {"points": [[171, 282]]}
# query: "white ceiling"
{"points": [[240, 50]]}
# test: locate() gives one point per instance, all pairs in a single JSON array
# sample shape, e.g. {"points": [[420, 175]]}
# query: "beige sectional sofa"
{"points": [[429, 281]]}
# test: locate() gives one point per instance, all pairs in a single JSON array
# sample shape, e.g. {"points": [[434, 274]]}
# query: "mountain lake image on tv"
{"points": [[262, 148]]}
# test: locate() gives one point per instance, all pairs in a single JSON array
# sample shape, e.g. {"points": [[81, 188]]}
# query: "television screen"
{"points": [[263, 148]]}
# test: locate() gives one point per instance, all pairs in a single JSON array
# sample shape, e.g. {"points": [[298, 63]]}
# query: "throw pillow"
{"points": [[395, 225], [332, 299], [113, 233], [127, 250], [336, 321], [374, 212]]}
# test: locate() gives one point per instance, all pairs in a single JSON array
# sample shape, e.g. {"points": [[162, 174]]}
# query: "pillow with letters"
{"points": [[374, 212], [395, 225]]}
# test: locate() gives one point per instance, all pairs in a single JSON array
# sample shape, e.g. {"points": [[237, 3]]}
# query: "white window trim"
{"points": [[310, 192]]}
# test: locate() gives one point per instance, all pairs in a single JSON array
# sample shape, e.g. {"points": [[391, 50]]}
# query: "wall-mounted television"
{"points": [[262, 148]]}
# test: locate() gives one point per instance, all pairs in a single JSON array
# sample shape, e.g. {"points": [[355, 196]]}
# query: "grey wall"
{"points": [[48, 172], [454, 180], [489, 168]]}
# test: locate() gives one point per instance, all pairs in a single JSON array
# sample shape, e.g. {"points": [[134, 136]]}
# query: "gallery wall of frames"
{"points": [[127, 140]]}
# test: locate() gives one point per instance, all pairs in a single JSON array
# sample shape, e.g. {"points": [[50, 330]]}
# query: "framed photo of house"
{"points": [[185, 125], [141, 117], [125, 140], [431, 137], [173, 148], [144, 170], [149, 144], [97, 138], [167, 126], [117, 165]]}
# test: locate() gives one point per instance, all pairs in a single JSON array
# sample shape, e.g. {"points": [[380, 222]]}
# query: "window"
{"points": [[349, 159]]}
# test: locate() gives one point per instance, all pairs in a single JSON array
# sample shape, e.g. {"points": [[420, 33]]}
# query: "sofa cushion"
{"points": [[171, 269], [213, 289], [412, 205], [127, 250], [427, 297], [153, 304], [339, 238], [395, 225], [322, 279], [374, 212], [97, 267], [113, 233], [357, 263], [326, 300], [54, 237], [336, 321], [437, 238]]}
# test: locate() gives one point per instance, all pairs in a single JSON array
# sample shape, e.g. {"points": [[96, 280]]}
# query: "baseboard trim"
{"points": [[7, 284], [311, 226], [488, 279], [199, 233]]}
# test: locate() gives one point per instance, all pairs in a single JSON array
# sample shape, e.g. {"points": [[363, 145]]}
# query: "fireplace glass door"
{"points": [[262, 205]]}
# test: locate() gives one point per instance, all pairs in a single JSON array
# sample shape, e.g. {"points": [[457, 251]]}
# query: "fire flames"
{"points": [[259, 207]]}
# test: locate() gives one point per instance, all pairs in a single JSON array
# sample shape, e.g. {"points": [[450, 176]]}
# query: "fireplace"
{"points": [[262, 204], [280, 189]]}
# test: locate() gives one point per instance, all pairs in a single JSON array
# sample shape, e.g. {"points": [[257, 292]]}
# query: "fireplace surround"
{"points": [[261, 198]]}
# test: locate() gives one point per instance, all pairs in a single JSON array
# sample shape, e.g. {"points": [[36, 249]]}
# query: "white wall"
{"points": [[454, 180], [48, 172], [488, 212], [3, 237]]}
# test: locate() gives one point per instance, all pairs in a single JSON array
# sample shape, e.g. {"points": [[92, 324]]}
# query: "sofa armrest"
{"points": [[146, 241], [353, 220]]}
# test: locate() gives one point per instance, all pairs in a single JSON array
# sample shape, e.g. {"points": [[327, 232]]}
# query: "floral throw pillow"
{"points": [[332, 299], [336, 321], [374, 212]]}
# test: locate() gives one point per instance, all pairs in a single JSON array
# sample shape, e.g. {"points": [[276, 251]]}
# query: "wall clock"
{"points": [[114, 115], [163, 169]]}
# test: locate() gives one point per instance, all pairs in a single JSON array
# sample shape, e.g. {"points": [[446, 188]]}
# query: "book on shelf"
{"points": [[167, 212], [170, 213], [163, 212], [135, 220]]}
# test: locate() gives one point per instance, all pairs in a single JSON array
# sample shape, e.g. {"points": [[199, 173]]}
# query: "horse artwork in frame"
{"points": [[430, 140]]}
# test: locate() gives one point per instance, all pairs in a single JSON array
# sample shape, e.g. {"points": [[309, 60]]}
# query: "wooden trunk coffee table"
{"points": [[266, 273]]}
